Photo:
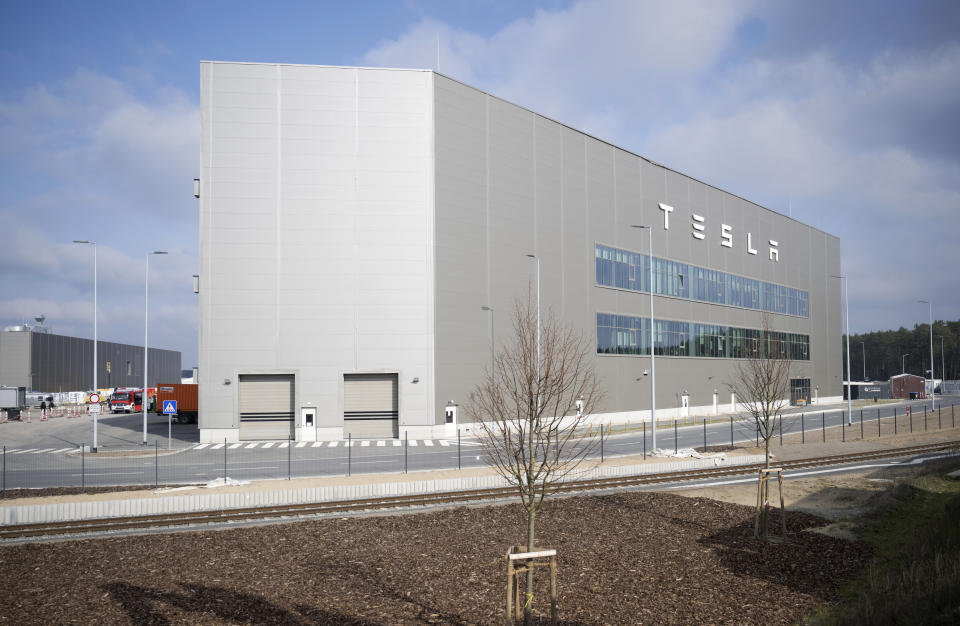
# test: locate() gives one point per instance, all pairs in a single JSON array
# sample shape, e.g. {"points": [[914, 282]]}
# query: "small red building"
{"points": [[908, 386]]}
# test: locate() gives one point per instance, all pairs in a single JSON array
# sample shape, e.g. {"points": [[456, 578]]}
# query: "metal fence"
{"points": [[155, 466]]}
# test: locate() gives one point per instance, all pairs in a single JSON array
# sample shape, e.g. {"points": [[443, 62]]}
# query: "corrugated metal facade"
{"points": [[47, 362]]}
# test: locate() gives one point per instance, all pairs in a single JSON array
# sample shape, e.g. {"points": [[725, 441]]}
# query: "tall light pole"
{"points": [[146, 350], [903, 361], [943, 367], [933, 396], [846, 297], [95, 415], [537, 259], [864, 346], [492, 343], [653, 369]]}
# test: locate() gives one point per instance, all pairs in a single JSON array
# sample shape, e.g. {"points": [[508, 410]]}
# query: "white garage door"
{"points": [[266, 406], [370, 405]]}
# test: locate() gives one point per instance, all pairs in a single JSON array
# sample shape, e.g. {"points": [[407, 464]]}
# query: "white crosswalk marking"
{"points": [[413, 442], [42, 451], [381, 444], [427, 442], [283, 444], [201, 446], [23, 451], [269, 444], [301, 444], [396, 443], [333, 444], [217, 447], [364, 444], [444, 442], [317, 444], [234, 446], [63, 450], [252, 445]]}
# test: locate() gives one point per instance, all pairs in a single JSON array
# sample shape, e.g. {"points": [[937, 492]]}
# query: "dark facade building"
{"points": [[42, 361]]}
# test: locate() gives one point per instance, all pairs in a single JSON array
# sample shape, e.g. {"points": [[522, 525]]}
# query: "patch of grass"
{"points": [[915, 575]]}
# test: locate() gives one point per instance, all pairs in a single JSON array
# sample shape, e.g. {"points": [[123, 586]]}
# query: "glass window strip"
{"points": [[630, 270]]}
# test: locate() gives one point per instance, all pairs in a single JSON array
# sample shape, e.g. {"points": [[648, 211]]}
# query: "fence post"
{"points": [[940, 417], [4, 471], [224, 460], [289, 453], [758, 434], [878, 424], [924, 419], [894, 420], [459, 466], [952, 423], [910, 413], [676, 448], [843, 427], [644, 424], [350, 455], [781, 430], [406, 446], [601, 444], [156, 463], [823, 425], [731, 431], [83, 470], [803, 434]]}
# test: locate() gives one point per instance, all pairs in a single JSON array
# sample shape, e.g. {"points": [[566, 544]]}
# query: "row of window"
{"points": [[630, 270], [625, 334]]}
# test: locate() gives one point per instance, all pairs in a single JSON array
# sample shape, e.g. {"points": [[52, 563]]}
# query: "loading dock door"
{"points": [[266, 406], [370, 405]]}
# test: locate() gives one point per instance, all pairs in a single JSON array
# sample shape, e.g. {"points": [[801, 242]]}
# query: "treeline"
{"points": [[885, 349]]}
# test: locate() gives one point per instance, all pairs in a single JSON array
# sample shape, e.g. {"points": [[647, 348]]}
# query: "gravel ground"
{"points": [[629, 558]]}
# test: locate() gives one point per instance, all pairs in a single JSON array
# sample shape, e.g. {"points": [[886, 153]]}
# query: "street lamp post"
{"points": [[653, 369], [846, 297], [537, 259], [492, 343], [933, 376], [146, 349], [95, 415], [903, 363]]}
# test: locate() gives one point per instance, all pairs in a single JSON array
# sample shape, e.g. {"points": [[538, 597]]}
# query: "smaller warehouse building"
{"points": [[39, 360], [908, 387]]}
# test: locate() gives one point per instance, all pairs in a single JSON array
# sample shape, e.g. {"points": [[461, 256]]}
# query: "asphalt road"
{"points": [[51, 454]]}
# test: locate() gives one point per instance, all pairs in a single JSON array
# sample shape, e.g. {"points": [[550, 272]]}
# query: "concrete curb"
{"points": [[104, 509]]}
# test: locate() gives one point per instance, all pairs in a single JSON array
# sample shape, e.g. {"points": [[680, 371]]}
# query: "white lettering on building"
{"points": [[750, 249], [774, 251], [726, 237], [698, 227], [667, 210]]}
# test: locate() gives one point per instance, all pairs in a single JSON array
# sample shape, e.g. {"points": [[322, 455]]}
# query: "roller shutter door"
{"points": [[266, 406], [370, 405]]}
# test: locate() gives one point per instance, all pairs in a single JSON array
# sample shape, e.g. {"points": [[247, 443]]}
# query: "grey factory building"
{"points": [[358, 228], [39, 360]]}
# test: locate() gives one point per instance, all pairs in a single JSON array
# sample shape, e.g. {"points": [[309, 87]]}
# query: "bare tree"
{"points": [[527, 410], [761, 386]]}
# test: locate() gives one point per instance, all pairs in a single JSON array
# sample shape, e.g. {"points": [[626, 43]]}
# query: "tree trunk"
{"points": [[527, 603], [764, 513]]}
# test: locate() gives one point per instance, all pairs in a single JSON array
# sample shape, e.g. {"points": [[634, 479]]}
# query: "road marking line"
{"points": [[63, 450], [269, 444], [44, 450], [396, 443], [381, 444], [234, 446], [201, 446], [444, 442], [427, 442], [253, 445], [413, 442], [283, 444], [301, 444], [23, 451], [333, 444], [317, 444], [364, 444], [217, 447]]}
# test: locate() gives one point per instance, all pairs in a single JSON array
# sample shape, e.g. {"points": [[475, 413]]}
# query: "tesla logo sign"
{"points": [[698, 224]]}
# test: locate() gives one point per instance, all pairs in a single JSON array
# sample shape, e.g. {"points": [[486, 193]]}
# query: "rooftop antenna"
{"points": [[41, 319]]}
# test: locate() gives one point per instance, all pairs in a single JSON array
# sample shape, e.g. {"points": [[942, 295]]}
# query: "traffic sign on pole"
{"points": [[169, 407]]}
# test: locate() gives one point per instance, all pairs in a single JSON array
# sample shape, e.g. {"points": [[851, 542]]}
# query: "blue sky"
{"points": [[841, 113]]}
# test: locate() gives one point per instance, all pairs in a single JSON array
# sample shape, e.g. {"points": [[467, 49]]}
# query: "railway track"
{"points": [[294, 511]]}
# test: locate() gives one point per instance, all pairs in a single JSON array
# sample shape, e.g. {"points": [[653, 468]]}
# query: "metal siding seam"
{"points": [[277, 236]]}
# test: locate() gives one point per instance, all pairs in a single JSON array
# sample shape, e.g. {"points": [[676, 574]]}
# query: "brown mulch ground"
{"points": [[14, 494], [631, 558]]}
